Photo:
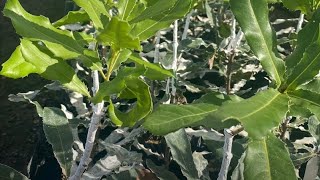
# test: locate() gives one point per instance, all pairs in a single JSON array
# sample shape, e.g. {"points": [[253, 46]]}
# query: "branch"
{"points": [[300, 22], [93, 127], [227, 154]]}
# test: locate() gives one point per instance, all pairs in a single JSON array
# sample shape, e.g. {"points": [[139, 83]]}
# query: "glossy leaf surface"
{"points": [[61, 43], [59, 135], [72, 17], [253, 18], [268, 159]]}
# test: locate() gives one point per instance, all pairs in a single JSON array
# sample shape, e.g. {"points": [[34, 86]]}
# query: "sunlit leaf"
{"points": [[72, 17], [158, 16], [51, 68], [60, 42], [253, 18], [59, 135], [268, 159], [96, 10], [117, 35]]}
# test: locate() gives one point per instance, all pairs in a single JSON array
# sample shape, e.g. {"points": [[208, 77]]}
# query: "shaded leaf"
{"points": [[59, 135], [117, 35], [307, 68], [260, 35], [72, 17], [8, 173], [180, 148], [167, 118], [312, 85], [312, 169], [306, 37], [263, 157], [161, 171]]}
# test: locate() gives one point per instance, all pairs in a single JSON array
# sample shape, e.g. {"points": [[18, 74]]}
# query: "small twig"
{"points": [[229, 73], [284, 127]]}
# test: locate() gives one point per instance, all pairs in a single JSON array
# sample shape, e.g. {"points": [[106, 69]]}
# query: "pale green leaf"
{"points": [[59, 135], [60, 42], [96, 10], [129, 9], [117, 35], [258, 114], [16, 66], [180, 148], [167, 118], [52, 68], [72, 17], [158, 16], [312, 85], [120, 57], [8, 173], [154, 71], [309, 97], [268, 159], [253, 18]]}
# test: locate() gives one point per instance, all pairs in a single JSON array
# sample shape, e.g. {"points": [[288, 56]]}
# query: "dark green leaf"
{"points": [[268, 159], [253, 18], [161, 171], [180, 148], [72, 17], [258, 115], [167, 118], [8, 173], [59, 135]]}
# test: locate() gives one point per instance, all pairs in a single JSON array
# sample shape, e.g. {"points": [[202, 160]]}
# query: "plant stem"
{"points": [[229, 73], [175, 56], [300, 22], [93, 127], [227, 154]]}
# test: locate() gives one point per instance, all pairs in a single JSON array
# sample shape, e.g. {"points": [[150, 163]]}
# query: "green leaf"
{"points": [[158, 16], [154, 71], [129, 9], [120, 57], [118, 84], [61, 43], [312, 85], [58, 133], [268, 159], [96, 10], [135, 88], [8, 173], [52, 68], [295, 5], [258, 115], [72, 17], [307, 68], [117, 35], [162, 171], [253, 18], [16, 66], [306, 36], [180, 148], [167, 118]]}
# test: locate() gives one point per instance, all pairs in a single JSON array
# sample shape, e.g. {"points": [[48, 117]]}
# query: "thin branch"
{"points": [[93, 127], [300, 22], [227, 154]]}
